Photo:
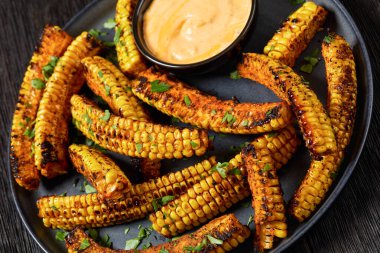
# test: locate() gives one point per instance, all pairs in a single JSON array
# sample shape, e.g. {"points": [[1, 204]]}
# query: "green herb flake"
{"points": [[142, 233], [167, 199], [328, 39], [116, 38], [266, 168], [213, 112], [29, 133], [38, 84], [221, 168], [158, 86], [48, 69], [132, 244], [84, 244], [194, 144], [197, 248], [229, 118], [159, 202], [96, 33], [163, 250], [139, 147], [100, 74], [175, 120], [307, 68], [147, 246], [109, 24], [245, 123], [61, 235], [211, 137], [187, 101], [126, 231], [234, 171], [272, 134], [333, 175], [88, 188], [93, 233], [106, 116], [108, 89], [268, 113], [250, 220], [63, 194], [105, 241], [235, 75], [214, 240]]}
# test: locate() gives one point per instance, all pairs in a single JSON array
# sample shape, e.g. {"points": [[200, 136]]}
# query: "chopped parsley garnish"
{"points": [[132, 244], [175, 120], [295, 2], [213, 112], [272, 134], [211, 137], [333, 175], [221, 168], [63, 194], [158, 86], [84, 244], [61, 235], [108, 89], [197, 248], [48, 69], [268, 113], [159, 202], [229, 118], [235, 75], [250, 220], [100, 74], [266, 168], [245, 123], [38, 84], [116, 38], [54, 208], [214, 240], [163, 250], [96, 33], [29, 133], [139, 147], [93, 233], [194, 144], [105, 241], [234, 171], [312, 61], [126, 231], [147, 246], [328, 39], [88, 188], [187, 101], [106, 116], [109, 24]]}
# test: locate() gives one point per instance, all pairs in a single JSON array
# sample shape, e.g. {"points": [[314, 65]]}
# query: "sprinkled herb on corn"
{"points": [[136, 138], [130, 59], [312, 117], [103, 173], [220, 190], [296, 33], [51, 132], [91, 210], [54, 42]]}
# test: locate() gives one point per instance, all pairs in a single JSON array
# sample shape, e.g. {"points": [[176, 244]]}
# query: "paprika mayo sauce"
{"points": [[189, 31]]}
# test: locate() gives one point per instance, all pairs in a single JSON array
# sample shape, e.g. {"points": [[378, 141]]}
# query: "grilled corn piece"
{"points": [[341, 106], [150, 168], [227, 229], [101, 172], [91, 210], [267, 202], [296, 33], [312, 118], [219, 191], [130, 59], [108, 82], [136, 138], [51, 130], [205, 111], [54, 42]]}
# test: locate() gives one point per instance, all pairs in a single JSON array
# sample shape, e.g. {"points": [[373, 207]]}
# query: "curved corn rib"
{"points": [[312, 118], [296, 33], [51, 139], [107, 81], [207, 112], [341, 105], [267, 202], [215, 194], [226, 229], [136, 138], [54, 42], [101, 171], [91, 210], [130, 59]]}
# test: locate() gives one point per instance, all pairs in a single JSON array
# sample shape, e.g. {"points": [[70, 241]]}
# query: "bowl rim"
{"points": [[144, 50]]}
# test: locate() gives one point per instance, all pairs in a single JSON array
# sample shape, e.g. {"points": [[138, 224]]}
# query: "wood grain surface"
{"points": [[352, 224]]}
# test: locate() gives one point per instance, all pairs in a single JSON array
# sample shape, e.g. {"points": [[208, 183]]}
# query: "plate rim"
{"points": [[333, 193]]}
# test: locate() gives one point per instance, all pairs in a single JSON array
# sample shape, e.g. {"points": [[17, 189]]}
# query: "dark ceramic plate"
{"points": [[270, 14]]}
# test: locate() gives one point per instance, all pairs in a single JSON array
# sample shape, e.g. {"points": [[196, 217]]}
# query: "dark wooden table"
{"points": [[352, 224]]}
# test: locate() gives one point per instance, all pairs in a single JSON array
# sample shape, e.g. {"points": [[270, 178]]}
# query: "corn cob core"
{"points": [[100, 170], [312, 118], [215, 194], [296, 33], [108, 82], [51, 134], [54, 42], [91, 210], [205, 111], [267, 202], [226, 228], [130, 59], [136, 138]]}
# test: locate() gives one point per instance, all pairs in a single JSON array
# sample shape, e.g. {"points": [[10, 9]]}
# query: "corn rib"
{"points": [[91, 210], [296, 33], [54, 42]]}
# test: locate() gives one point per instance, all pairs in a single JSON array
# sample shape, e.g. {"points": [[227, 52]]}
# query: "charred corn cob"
{"points": [[341, 106], [91, 210], [312, 118], [101, 172], [220, 190], [205, 111], [108, 82], [227, 229], [267, 202], [136, 138], [296, 33], [150, 168], [51, 139], [130, 59], [53, 43]]}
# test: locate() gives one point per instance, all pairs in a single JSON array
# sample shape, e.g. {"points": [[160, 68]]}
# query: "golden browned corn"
{"points": [[312, 118], [91, 210], [205, 111], [53, 114], [341, 105], [226, 228], [102, 173], [108, 82], [215, 194], [129, 57], [136, 138], [268, 203], [296, 33], [54, 42]]}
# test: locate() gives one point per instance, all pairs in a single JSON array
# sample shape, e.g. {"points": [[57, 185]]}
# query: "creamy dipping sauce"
{"points": [[189, 31]]}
